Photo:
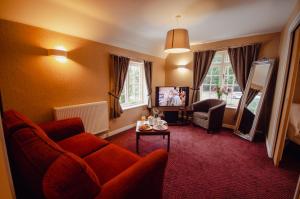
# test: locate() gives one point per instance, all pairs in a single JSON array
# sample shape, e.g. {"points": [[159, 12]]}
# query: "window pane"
{"points": [[206, 87], [229, 79], [122, 97], [236, 88], [216, 70], [230, 70], [216, 80], [207, 80], [134, 92], [133, 84], [218, 58]]}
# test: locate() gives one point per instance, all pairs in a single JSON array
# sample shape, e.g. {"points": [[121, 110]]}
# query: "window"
{"points": [[135, 89], [220, 74]]}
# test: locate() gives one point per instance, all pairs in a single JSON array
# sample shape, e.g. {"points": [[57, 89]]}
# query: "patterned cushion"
{"points": [[201, 115]]}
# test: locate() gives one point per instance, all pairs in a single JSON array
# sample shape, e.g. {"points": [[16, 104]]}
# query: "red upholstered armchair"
{"points": [[59, 160]]}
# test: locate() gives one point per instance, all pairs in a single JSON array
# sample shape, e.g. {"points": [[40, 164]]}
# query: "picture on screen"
{"points": [[172, 96]]}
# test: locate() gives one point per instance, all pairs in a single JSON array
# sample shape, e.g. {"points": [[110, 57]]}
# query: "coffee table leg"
{"points": [[168, 143], [137, 143]]}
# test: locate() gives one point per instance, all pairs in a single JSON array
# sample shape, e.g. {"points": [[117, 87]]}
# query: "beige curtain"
{"points": [[148, 75], [202, 61], [118, 71], [241, 59]]}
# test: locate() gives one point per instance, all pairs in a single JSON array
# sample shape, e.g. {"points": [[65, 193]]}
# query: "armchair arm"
{"points": [[61, 129], [215, 116], [201, 106], [144, 179]]}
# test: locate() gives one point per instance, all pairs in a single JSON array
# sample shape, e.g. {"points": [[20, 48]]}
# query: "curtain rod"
{"points": [[227, 46]]}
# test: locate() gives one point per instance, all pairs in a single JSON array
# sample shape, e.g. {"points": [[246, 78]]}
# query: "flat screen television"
{"points": [[172, 96]]}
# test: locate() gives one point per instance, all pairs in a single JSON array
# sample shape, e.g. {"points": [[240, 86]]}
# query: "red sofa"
{"points": [[59, 160]]}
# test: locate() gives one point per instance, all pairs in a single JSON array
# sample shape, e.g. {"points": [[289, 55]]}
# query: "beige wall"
{"points": [[282, 70], [33, 83], [184, 77]]}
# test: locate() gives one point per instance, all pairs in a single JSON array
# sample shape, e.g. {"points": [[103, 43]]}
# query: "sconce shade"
{"points": [[56, 52], [177, 41]]}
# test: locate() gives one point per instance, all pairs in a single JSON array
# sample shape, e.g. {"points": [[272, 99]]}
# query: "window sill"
{"points": [[133, 106], [231, 107]]}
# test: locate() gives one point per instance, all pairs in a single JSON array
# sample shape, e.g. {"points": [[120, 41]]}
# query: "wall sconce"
{"points": [[181, 66], [60, 54]]}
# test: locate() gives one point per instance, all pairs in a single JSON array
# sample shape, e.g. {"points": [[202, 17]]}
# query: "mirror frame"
{"points": [[251, 134]]}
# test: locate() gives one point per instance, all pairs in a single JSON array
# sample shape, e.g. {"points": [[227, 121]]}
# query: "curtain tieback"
{"points": [[195, 89], [149, 94], [113, 95]]}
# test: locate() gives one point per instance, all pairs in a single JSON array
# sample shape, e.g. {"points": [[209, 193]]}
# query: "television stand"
{"points": [[176, 115]]}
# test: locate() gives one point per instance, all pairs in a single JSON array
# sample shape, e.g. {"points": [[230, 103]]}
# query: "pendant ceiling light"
{"points": [[177, 40]]}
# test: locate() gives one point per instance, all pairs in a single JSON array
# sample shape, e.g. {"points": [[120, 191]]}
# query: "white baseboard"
{"points": [[117, 131]]}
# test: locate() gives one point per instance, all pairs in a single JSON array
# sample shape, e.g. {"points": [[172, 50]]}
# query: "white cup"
{"points": [[160, 122], [150, 120]]}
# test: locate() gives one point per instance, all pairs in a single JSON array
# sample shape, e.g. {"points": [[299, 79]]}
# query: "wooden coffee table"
{"points": [[150, 133]]}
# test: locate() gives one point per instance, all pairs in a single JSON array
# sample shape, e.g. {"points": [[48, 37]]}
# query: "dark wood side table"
{"points": [[184, 111], [150, 133]]}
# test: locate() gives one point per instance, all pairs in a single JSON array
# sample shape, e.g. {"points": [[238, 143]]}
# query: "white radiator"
{"points": [[94, 115]]}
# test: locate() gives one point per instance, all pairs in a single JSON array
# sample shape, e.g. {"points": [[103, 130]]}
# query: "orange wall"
{"points": [[6, 183], [33, 83], [184, 77]]}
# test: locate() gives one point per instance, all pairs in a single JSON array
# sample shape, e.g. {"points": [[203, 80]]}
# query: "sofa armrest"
{"points": [[215, 115], [61, 129], [144, 179], [217, 108]]}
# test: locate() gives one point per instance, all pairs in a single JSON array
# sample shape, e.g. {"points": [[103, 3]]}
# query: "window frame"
{"points": [[143, 91], [224, 75]]}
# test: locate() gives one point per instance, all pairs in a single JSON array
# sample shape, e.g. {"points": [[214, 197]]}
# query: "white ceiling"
{"points": [[141, 25]]}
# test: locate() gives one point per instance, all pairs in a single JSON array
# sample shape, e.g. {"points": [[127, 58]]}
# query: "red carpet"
{"points": [[218, 165]]}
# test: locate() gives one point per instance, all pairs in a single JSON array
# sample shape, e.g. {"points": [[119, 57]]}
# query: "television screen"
{"points": [[172, 96]]}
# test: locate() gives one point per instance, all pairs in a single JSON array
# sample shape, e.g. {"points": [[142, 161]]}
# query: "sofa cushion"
{"points": [[69, 177], [82, 144], [61, 129], [201, 115], [109, 161]]}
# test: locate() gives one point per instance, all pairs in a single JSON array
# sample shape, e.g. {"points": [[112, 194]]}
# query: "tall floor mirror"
{"points": [[253, 98]]}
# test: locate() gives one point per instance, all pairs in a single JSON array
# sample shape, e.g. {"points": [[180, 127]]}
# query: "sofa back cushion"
{"points": [[34, 156], [31, 156], [13, 120]]}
